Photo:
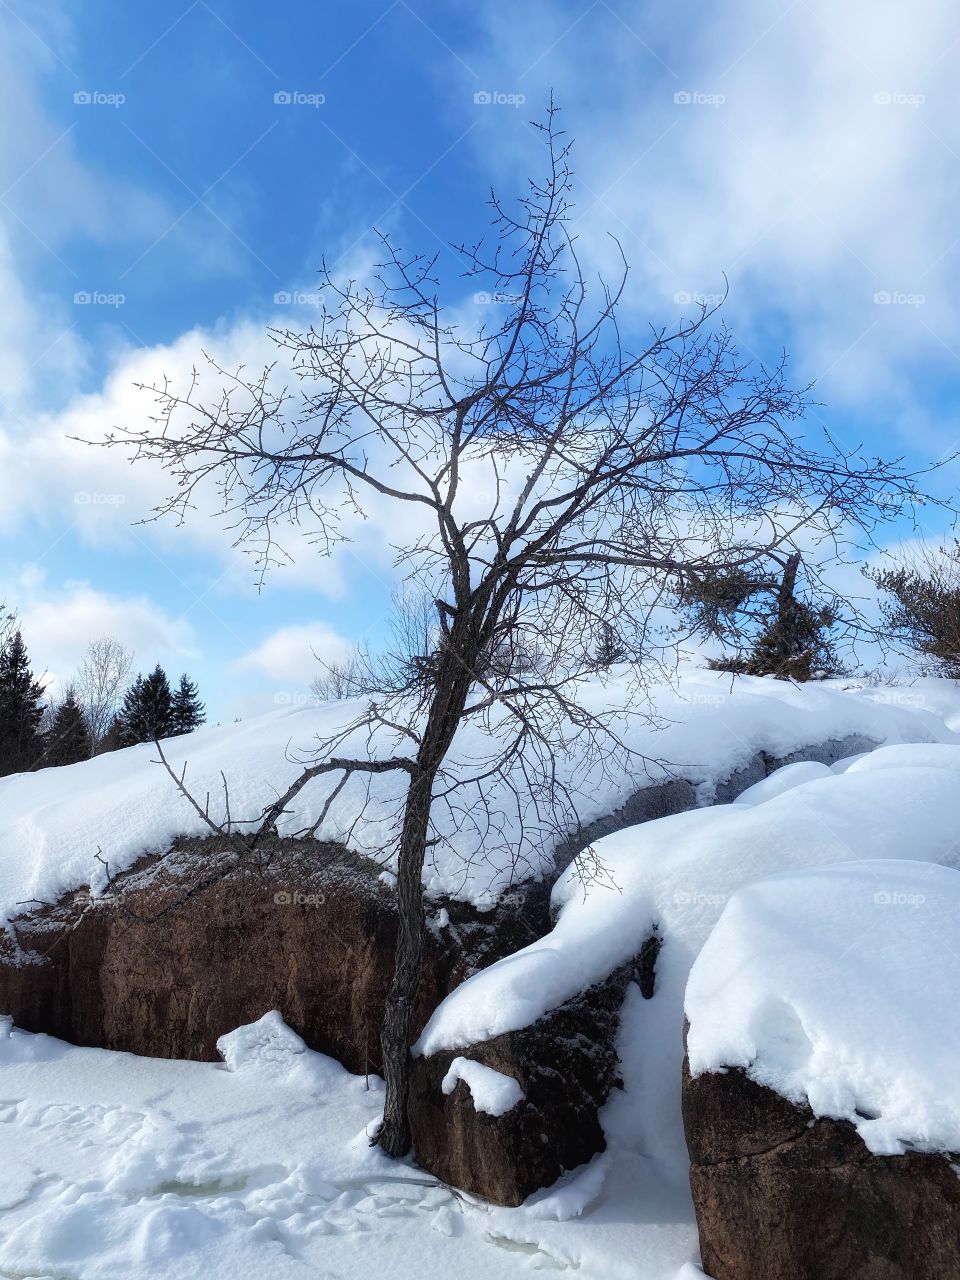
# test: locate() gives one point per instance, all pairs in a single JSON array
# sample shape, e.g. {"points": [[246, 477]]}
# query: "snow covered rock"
{"points": [[309, 931], [821, 1100], [512, 1114], [699, 741]]}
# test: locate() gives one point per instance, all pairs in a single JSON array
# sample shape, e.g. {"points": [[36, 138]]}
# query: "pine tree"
{"points": [[68, 738], [147, 710], [113, 739], [130, 716], [21, 708], [610, 649], [187, 709], [775, 632]]}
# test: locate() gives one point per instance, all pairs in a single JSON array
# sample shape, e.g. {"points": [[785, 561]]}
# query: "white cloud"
{"points": [[59, 621], [291, 654], [827, 172]]}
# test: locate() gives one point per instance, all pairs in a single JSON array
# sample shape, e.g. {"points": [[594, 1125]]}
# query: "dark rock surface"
{"points": [[308, 930], [780, 1195], [566, 1064]]}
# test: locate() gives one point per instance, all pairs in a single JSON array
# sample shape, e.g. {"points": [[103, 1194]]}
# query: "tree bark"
{"points": [[395, 1031], [451, 690]]}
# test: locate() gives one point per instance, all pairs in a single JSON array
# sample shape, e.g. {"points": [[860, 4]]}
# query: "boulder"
{"points": [[307, 929], [782, 1195], [565, 1064]]}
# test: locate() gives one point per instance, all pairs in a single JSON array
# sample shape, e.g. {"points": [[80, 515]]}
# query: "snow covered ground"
{"points": [[121, 1166], [118, 1166], [53, 824]]}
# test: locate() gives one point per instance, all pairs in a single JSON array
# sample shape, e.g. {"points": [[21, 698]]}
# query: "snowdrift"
{"points": [[56, 822]]}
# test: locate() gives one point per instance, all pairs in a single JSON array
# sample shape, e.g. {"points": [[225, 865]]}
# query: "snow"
{"points": [[790, 775], [676, 875], [116, 1165], [679, 872], [56, 824], [837, 987], [261, 1165], [492, 1091]]}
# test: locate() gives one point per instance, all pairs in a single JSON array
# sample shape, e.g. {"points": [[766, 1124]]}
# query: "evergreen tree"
{"points": [[794, 643], [922, 608], [129, 717], [21, 708], [775, 632], [113, 738], [610, 649], [187, 711], [68, 738], [147, 710]]}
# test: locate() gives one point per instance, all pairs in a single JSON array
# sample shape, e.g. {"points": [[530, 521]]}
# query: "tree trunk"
{"points": [[394, 1135], [451, 690]]}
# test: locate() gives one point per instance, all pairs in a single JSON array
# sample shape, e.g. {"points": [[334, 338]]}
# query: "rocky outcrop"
{"points": [[781, 1195], [168, 962], [677, 795], [565, 1064]]}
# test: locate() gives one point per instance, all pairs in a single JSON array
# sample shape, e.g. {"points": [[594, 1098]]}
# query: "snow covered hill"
{"points": [[55, 823]]}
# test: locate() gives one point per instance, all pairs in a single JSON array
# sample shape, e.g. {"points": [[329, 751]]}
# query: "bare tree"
{"points": [[544, 474], [412, 634], [103, 674]]}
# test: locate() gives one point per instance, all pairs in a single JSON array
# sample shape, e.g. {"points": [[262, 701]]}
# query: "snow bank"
{"points": [[54, 823], [791, 775], [492, 1091], [838, 987], [678, 873]]}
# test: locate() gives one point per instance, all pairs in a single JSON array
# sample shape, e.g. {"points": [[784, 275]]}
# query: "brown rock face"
{"points": [[566, 1064], [309, 930], [780, 1195]]}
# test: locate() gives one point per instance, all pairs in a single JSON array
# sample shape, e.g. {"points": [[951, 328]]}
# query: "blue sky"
{"points": [[171, 175]]}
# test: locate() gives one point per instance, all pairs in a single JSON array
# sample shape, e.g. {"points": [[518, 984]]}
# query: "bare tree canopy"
{"points": [[544, 475], [100, 681]]}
